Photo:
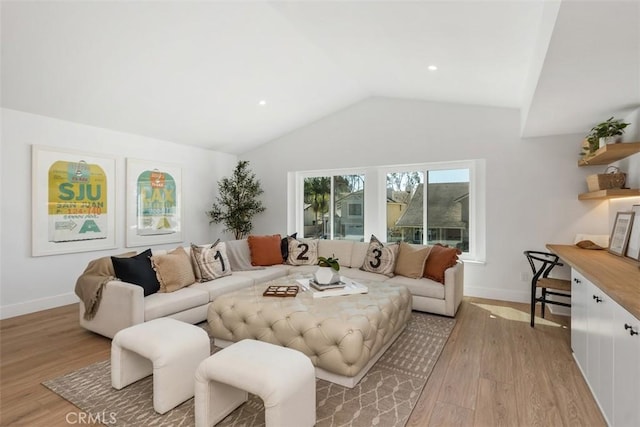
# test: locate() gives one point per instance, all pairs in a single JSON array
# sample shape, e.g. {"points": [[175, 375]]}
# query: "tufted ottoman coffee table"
{"points": [[343, 335]]}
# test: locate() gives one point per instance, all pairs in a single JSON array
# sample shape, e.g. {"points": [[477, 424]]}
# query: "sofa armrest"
{"points": [[121, 306], [453, 288]]}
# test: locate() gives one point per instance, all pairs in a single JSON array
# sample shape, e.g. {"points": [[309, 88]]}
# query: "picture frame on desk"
{"points": [[633, 247], [620, 233]]}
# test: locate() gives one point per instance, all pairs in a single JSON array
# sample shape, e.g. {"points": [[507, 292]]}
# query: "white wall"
{"points": [[532, 184], [29, 283]]}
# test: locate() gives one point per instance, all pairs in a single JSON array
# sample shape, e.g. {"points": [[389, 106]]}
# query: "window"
{"points": [[424, 204], [442, 204], [333, 207]]}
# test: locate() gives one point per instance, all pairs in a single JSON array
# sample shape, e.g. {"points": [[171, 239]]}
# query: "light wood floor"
{"points": [[494, 371]]}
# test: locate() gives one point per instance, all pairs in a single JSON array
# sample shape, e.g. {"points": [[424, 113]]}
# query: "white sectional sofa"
{"points": [[124, 304]]}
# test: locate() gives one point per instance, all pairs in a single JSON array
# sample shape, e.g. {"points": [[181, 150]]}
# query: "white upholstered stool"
{"points": [[167, 348], [283, 378]]}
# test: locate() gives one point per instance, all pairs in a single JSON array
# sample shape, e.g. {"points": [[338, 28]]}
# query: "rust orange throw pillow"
{"points": [[265, 250], [440, 258]]}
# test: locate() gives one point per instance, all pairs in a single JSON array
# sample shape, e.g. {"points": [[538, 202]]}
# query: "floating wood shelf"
{"points": [[611, 153], [612, 193]]}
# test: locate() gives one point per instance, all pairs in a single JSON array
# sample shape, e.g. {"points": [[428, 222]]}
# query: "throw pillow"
{"points": [[411, 260], [380, 259], [440, 258], [194, 261], [211, 261], [137, 270], [302, 252], [284, 246], [173, 270], [265, 250]]}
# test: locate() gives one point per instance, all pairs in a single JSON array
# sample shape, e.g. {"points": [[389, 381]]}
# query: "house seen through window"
{"points": [[440, 206], [422, 204], [334, 206]]}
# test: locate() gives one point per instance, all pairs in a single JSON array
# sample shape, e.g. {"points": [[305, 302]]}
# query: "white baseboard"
{"points": [[497, 294], [512, 296], [12, 310]]}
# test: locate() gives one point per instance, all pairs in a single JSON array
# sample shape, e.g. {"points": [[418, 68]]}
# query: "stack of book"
{"points": [[322, 287]]}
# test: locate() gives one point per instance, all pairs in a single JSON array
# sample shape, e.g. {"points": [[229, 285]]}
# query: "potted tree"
{"points": [[238, 201]]}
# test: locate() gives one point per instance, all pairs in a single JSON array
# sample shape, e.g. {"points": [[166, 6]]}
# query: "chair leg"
{"points": [[533, 305], [544, 298]]}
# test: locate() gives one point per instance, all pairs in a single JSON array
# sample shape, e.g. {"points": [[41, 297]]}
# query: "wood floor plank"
{"points": [[462, 389], [446, 415], [496, 405], [460, 385]]}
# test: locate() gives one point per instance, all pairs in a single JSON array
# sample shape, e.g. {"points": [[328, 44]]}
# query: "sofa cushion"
{"points": [[211, 262], [380, 258], [419, 287], [340, 249], [265, 250], [265, 274], [358, 254], [137, 270], [166, 304], [173, 270], [223, 285], [358, 274], [302, 252], [411, 260], [440, 258]]}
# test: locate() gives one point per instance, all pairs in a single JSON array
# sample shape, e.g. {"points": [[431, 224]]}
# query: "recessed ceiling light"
{"points": [[432, 68], [262, 102]]}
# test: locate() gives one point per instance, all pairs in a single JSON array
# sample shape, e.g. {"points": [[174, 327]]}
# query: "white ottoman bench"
{"points": [[283, 378], [167, 348]]}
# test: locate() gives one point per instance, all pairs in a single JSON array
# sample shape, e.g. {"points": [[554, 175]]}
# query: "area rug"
{"points": [[385, 396]]}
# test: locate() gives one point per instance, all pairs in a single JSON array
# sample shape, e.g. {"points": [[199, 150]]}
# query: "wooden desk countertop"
{"points": [[616, 276]]}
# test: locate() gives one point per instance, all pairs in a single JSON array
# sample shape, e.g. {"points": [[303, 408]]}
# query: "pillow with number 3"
{"points": [[380, 258], [302, 252], [210, 262]]}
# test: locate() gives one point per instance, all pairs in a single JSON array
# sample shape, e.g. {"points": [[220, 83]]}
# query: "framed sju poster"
{"points": [[73, 201], [154, 203]]}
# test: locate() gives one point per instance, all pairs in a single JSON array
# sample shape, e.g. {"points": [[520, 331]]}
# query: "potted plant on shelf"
{"points": [[607, 132], [327, 272]]}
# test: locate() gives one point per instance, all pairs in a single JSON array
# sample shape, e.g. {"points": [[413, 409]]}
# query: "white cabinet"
{"points": [[607, 350], [600, 347], [626, 368], [579, 319]]}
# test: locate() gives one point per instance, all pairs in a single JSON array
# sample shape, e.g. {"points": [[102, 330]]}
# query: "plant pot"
{"points": [[326, 276], [609, 140]]}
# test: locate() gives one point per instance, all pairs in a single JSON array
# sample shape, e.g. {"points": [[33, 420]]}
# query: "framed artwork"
{"points": [[633, 247], [620, 233], [73, 201], [154, 203]]}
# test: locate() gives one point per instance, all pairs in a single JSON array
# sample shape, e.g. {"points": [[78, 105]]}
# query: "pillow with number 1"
{"points": [[210, 262], [380, 258]]}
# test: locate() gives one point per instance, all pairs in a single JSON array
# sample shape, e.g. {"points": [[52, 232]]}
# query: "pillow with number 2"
{"points": [[211, 262], [380, 259], [302, 252]]}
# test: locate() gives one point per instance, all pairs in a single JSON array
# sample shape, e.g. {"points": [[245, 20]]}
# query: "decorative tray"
{"points": [[281, 291]]}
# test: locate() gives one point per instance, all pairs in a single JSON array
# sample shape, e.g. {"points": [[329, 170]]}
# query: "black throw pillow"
{"points": [[137, 270]]}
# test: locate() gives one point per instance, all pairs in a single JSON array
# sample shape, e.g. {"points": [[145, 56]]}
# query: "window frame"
{"points": [[375, 221]]}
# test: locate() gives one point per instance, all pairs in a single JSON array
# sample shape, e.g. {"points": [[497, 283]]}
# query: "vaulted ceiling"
{"points": [[196, 72]]}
